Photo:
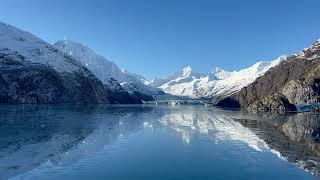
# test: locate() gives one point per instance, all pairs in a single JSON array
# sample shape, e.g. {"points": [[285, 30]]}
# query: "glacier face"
{"points": [[216, 84]]}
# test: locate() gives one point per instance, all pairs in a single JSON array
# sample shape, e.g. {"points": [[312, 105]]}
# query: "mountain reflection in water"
{"points": [[36, 138], [296, 137]]}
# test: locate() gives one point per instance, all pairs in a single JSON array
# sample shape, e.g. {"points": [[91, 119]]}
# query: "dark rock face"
{"points": [[229, 102], [294, 81], [275, 102], [25, 82]]}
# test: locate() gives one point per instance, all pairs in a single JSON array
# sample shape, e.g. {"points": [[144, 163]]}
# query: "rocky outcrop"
{"points": [[294, 81], [299, 92], [277, 102]]}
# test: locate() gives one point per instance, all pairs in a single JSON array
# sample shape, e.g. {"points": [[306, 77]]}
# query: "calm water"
{"points": [[155, 142]]}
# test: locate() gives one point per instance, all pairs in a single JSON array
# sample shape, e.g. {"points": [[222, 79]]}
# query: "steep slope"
{"points": [[293, 82], [33, 71], [216, 84], [106, 70]]}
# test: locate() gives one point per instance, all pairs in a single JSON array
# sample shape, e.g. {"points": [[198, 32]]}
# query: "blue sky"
{"points": [[159, 37]]}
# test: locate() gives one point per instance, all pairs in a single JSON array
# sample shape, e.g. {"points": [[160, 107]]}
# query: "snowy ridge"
{"points": [[216, 83], [100, 66], [35, 50], [310, 52], [105, 69]]}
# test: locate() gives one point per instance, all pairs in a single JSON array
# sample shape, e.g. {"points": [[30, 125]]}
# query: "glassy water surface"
{"points": [[155, 142]]}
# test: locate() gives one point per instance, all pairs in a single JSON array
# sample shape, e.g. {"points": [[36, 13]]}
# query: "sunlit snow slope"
{"points": [[218, 83]]}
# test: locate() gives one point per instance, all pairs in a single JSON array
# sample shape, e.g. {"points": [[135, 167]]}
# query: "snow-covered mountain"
{"points": [[105, 69], [216, 84], [187, 83], [33, 71]]}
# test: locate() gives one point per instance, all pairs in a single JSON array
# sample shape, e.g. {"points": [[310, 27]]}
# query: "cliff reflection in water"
{"points": [[296, 137]]}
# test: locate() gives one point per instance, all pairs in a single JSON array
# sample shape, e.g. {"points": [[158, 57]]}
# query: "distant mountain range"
{"points": [[187, 83], [216, 84], [33, 71]]}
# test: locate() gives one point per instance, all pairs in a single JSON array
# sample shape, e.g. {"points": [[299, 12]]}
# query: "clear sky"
{"points": [[159, 37]]}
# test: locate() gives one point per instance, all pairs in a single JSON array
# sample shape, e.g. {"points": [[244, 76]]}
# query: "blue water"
{"points": [[155, 142]]}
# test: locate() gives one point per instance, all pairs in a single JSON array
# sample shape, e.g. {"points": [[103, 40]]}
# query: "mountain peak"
{"points": [[217, 70], [219, 73], [67, 43], [186, 71], [311, 52], [316, 44]]}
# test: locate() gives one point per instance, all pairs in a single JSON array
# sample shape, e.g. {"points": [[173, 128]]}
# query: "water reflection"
{"points": [[33, 136], [295, 137], [43, 137], [216, 124], [292, 137]]}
